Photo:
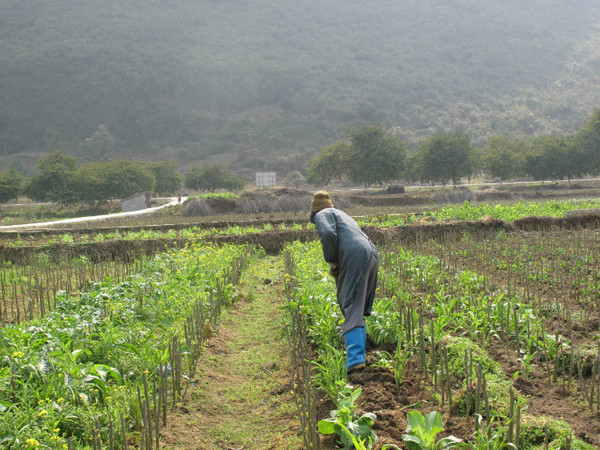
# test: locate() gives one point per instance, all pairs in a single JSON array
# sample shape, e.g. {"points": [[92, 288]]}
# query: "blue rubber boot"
{"points": [[355, 341]]}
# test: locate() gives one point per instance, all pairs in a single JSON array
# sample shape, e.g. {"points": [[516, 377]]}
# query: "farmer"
{"points": [[353, 262]]}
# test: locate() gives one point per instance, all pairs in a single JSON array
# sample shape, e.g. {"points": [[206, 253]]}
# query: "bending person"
{"points": [[354, 263]]}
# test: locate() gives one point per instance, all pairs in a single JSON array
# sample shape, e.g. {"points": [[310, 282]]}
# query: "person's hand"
{"points": [[334, 271]]}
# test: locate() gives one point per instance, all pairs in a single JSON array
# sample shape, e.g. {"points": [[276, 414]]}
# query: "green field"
{"points": [[494, 334]]}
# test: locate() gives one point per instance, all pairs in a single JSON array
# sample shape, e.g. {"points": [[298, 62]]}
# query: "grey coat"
{"points": [[345, 244]]}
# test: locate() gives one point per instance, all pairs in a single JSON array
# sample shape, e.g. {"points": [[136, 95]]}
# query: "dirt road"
{"points": [[25, 226]]}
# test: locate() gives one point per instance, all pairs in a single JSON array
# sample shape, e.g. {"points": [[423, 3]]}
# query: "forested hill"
{"points": [[270, 81]]}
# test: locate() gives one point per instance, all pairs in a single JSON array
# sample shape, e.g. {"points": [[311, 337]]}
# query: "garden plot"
{"points": [[445, 339], [102, 368], [498, 325]]}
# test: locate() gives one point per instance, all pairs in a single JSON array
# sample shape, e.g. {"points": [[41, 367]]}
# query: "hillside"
{"points": [[264, 84]]}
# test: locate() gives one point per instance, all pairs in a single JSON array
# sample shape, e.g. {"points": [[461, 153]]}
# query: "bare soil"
{"points": [[558, 400], [391, 403]]}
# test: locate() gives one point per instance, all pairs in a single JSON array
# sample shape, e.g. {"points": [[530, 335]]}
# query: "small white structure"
{"points": [[136, 202], [264, 179]]}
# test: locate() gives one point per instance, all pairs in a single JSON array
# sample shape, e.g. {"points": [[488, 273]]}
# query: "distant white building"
{"points": [[264, 179], [136, 202]]}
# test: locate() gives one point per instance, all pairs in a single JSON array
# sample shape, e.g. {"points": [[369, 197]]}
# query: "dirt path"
{"points": [[26, 226], [241, 399]]}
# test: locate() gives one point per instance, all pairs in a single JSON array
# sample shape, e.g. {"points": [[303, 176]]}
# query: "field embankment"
{"points": [[20, 249]]}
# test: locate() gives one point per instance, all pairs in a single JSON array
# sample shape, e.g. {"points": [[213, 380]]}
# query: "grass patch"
{"points": [[242, 394]]}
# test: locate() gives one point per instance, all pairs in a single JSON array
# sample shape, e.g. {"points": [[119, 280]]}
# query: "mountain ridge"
{"points": [[190, 76]]}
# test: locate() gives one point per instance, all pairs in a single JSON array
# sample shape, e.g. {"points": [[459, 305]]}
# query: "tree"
{"points": [[211, 177], [89, 183], [10, 185], [501, 158], [168, 181], [535, 166], [554, 151], [555, 158], [577, 161], [446, 157], [329, 165], [55, 181], [61, 180], [101, 145], [414, 166], [374, 155], [122, 178], [537, 162], [587, 139], [115, 179], [293, 179]]}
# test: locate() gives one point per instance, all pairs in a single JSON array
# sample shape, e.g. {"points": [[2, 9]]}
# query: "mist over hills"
{"points": [[264, 84]]}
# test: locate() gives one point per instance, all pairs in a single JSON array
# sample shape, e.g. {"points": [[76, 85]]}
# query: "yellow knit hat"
{"points": [[320, 201]]}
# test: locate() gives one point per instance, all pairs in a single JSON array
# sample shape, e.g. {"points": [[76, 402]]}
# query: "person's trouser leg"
{"points": [[355, 312], [354, 327]]}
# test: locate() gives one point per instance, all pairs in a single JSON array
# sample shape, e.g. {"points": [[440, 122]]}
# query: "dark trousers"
{"points": [[361, 306]]}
